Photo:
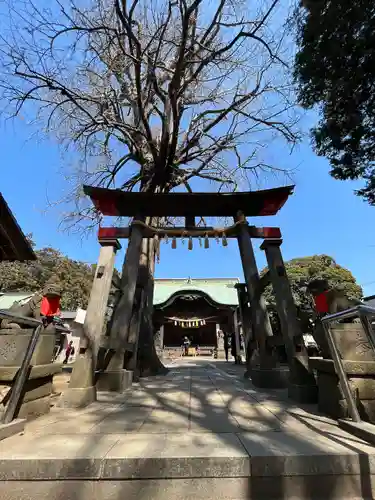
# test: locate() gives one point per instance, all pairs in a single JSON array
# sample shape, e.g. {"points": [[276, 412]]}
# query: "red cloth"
{"points": [[50, 306], [321, 303]]}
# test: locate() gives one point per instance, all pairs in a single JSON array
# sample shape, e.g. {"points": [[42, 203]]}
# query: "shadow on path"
{"points": [[197, 404]]}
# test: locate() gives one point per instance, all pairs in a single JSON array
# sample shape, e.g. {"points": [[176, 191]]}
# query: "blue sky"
{"points": [[323, 216]]}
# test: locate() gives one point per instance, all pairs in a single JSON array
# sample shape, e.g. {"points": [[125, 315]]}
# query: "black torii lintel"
{"points": [[129, 204]]}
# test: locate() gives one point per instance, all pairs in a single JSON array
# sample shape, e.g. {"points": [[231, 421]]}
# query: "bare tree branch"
{"points": [[150, 95]]}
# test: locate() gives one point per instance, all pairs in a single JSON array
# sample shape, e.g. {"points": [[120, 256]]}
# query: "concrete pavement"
{"points": [[202, 431]]}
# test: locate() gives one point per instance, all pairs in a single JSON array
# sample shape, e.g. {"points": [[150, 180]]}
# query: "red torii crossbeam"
{"points": [[114, 202]]}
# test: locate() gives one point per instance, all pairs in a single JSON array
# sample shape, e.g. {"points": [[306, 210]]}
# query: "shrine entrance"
{"points": [[194, 308], [200, 337], [149, 212]]}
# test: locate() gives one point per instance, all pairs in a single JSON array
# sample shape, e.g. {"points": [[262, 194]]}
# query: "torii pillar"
{"points": [[264, 371], [124, 324], [235, 327], [82, 388], [244, 308], [302, 386]]}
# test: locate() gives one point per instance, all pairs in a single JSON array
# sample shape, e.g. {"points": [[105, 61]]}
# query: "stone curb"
{"points": [[289, 488], [185, 467]]}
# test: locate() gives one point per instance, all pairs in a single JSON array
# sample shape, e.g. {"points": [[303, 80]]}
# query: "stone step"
{"points": [[263, 465]]}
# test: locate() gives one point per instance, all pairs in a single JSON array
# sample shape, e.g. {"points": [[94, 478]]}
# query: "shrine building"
{"points": [[196, 308]]}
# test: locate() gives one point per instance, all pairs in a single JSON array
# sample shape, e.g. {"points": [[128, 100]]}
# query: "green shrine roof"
{"points": [[7, 299], [220, 290]]}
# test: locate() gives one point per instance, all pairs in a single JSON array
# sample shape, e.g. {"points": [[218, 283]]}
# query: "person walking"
{"points": [[186, 345], [69, 352]]}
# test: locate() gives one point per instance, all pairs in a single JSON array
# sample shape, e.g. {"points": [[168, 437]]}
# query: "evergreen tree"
{"points": [[51, 266], [304, 269], [335, 70]]}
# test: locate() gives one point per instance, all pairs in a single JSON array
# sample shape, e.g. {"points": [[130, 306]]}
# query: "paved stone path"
{"points": [[202, 421]]}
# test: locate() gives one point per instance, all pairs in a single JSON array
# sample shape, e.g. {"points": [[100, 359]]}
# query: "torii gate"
{"points": [[143, 206]]}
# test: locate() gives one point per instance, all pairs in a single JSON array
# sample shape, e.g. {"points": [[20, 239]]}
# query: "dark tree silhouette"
{"points": [[335, 71]]}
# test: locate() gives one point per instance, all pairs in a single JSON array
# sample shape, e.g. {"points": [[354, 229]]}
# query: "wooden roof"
{"points": [[129, 204], [13, 243]]}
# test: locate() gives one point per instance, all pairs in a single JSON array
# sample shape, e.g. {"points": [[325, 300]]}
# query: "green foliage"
{"points": [[51, 266], [303, 269], [335, 69]]}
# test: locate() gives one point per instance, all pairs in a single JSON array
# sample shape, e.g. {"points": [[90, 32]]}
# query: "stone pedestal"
{"points": [[15, 427], [361, 377], [77, 397], [36, 398], [359, 366], [116, 381], [303, 394], [274, 378], [352, 343], [13, 345], [270, 375]]}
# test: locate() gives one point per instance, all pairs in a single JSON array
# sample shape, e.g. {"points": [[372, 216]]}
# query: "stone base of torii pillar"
{"points": [[82, 386]]}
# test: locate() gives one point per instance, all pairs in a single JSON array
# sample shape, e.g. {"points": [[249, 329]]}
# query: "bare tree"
{"points": [[147, 94]]}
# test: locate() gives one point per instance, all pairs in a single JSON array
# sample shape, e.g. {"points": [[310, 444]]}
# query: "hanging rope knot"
{"points": [[224, 240], [206, 241], [190, 244]]}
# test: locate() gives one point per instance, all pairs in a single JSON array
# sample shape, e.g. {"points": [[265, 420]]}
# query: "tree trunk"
{"points": [[148, 362]]}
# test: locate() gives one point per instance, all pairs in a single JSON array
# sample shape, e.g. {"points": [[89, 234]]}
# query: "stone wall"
{"points": [[36, 397]]}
